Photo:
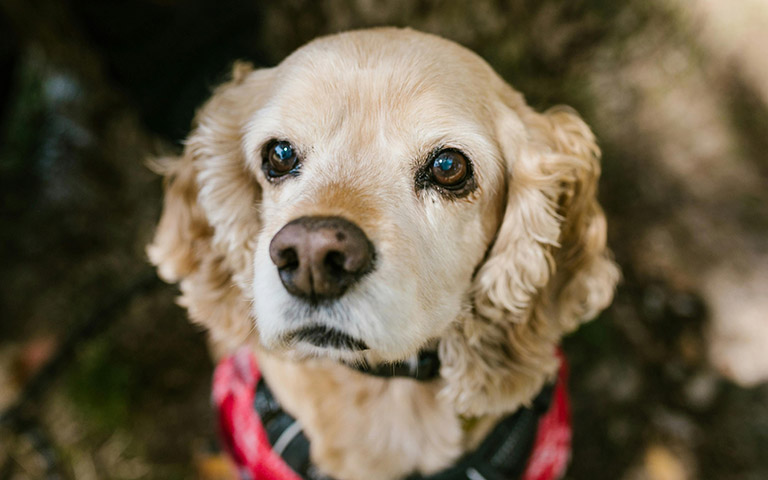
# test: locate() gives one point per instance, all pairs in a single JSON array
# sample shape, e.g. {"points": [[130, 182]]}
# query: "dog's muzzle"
{"points": [[319, 258]]}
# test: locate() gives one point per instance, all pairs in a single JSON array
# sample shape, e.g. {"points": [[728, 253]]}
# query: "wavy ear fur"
{"points": [[547, 271], [210, 213]]}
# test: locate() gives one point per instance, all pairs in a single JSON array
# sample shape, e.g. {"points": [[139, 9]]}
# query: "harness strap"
{"points": [[267, 443], [504, 453], [244, 437]]}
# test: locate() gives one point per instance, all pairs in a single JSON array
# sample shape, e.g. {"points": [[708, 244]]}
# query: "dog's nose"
{"points": [[320, 257]]}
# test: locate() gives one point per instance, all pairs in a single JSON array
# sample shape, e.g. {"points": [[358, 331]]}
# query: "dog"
{"points": [[380, 194]]}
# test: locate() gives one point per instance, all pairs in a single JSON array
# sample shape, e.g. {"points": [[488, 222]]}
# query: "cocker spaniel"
{"points": [[378, 194]]}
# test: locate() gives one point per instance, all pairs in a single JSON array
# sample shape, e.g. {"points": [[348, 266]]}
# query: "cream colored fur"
{"points": [[495, 279]]}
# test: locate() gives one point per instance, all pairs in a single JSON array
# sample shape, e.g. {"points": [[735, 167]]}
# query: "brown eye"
{"points": [[449, 169], [281, 159]]}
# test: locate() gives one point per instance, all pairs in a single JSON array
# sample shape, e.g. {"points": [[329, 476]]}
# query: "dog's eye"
{"points": [[449, 169], [281, 158]]}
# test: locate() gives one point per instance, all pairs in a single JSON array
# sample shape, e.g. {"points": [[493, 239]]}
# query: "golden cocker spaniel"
{"points": [[378, 193]]}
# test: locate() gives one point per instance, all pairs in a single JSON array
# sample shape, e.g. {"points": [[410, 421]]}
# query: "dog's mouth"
{"points": [[322, 336]]}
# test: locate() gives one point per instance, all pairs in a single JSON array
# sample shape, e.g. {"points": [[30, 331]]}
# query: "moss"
{"points": [[102, 385]]}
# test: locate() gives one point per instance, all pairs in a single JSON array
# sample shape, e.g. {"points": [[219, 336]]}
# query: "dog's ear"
{"points": [[553, 233], [547, 271], [183, 234], [585, 275], [205, 237]]}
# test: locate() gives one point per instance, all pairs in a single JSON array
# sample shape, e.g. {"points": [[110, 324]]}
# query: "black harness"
{"points": [[503, 455]]}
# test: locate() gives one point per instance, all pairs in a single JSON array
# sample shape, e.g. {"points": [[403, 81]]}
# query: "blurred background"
{"points": [[101, 376]]}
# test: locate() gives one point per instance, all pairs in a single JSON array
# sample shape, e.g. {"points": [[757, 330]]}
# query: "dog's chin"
{"points": [[322, 336], [305, 351], [366, 325], [319, 341], [326, 343]]}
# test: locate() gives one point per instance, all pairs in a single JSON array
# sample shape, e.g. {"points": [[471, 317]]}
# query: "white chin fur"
{"points": [[304, 350], [389, 321]]}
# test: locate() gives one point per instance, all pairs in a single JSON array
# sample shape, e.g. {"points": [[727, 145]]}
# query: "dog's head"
{"points": [[382, 190]]}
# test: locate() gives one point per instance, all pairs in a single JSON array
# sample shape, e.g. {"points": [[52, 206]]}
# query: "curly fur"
{"points": [[548, 270], [533, 263]]}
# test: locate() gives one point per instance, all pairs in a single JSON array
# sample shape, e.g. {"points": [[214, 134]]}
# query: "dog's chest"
{"points": [[357, 424], [268, 443]]}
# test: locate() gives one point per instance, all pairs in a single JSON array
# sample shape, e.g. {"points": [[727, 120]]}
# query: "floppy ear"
{"points": [[551, 245], [206, 234], [585, 276], [547, 271], [183, 234]]}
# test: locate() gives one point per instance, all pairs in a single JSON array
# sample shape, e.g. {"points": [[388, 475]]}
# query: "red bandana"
{"points": [[234, 386]]}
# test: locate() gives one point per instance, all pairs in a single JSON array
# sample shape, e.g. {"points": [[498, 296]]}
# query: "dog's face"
{"points": [[381, 190], [397, 152]]}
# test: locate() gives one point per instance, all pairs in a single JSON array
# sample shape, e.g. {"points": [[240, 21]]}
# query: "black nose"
{"points": [[320, 257]]}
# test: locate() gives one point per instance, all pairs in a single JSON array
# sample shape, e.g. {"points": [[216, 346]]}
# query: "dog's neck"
{"points": [[364, 426], [357, 423]]}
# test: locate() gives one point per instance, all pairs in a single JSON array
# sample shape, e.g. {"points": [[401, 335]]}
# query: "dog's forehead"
{"points": [[388, 83], [393, 54]]}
